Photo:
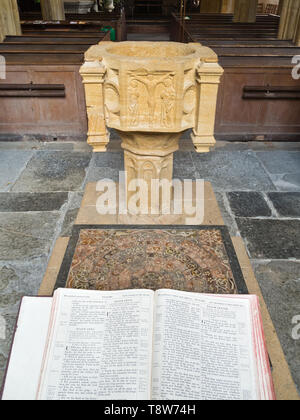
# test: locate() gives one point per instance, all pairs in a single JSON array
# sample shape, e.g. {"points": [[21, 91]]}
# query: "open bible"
{"points": [[138, 345]]}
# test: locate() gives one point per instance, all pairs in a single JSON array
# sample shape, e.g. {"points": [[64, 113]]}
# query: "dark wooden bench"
{"points": [[76, 22], [197, 27], [148, 6], [49, 48], [43, 95], [62, 27], [54, 39], [143, 25], [101, 15], [258, 98], [86, 29]]}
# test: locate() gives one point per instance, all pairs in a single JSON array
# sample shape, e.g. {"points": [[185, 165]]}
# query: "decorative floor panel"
{"points": [[190, 258]]}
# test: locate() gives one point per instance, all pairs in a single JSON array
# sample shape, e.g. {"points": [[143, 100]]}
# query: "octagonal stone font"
{"points": [[151, 93]]}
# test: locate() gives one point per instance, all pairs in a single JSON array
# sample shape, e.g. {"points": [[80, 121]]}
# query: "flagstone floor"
{"points": [[257, 187]]}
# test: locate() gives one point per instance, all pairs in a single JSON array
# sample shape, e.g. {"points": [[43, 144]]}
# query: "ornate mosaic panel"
{"points": [[195, 259]]}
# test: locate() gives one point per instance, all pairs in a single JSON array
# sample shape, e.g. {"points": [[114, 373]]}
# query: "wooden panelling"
{"points": [[45, 116], [238, 118], [251, 55], [50, 54]]}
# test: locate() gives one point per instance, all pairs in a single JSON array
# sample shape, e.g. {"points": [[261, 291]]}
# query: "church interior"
{"points": [[100, 96]]}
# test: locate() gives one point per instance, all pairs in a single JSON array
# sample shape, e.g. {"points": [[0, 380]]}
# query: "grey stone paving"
{"points": [[23, 202], [280, 284], [12, 163], [257, 186], [54, 171], [284, 168], [271, 238], [233, 170], [248, 204], [26, 235], [286, 204]]}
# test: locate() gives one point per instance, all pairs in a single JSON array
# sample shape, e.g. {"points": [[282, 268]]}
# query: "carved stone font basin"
{"points": [[151, 93]]}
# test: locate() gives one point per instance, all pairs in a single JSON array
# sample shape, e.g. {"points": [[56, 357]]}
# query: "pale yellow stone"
{"points": [[151, 93], [290, 21], [211, 6], [53, 9], [297, 34], [90, 216], [245, 11], [54, 265], [227, 6], [9, 19], [88, 213]]}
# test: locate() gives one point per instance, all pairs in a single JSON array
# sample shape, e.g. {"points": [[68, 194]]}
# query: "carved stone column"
{"points": [[93, 73], [289, 20], [9, 19], [208, 79], [148, 156], [245, 11], [53, 9], [297, 34], [227, 6], [211, 6], [280, 7]]}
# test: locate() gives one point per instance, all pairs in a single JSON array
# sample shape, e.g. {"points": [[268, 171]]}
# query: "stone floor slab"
{"points": [[280, 285], [96, 174], [9, 321], [17, 279], [232, 171], [23, 202], [63, 146], [271, 238], [20, 145], [112, 160], [287, 182], [183, 166], [281, 161], [285, 387], [26, 235], [71, 213], [54, 171], [226, 213], [274, 145], [287, 204], [12, 163], [248, 204]]}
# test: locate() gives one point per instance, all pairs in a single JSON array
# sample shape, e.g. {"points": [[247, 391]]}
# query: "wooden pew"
{"points": [[198, 27], [142, 26], [54, 39], [43, 96], [75, 22], [148, 6], [86, 28], [49, 48], [258, 97]]}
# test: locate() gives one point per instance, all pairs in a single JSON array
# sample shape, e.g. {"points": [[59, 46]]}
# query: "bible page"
{"points": [[100, 346], [203, 348]]}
